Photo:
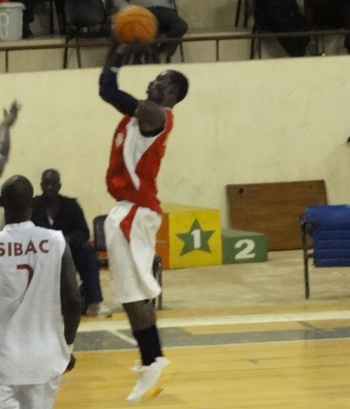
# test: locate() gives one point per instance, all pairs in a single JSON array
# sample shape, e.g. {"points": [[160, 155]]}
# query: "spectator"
{"points": [[54, 211], [283, 16], [170, 24], [330, 14]]}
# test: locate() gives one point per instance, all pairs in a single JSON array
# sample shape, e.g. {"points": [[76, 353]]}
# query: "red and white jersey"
{"points": [[33, 349], [135, 162]]}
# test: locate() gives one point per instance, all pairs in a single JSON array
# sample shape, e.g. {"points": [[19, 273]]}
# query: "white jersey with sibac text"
{"points": [[33, 349]]}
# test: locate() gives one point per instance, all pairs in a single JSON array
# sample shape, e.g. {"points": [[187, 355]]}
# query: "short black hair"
{"points": [[54, 171], [17, 193], [179, 79]]}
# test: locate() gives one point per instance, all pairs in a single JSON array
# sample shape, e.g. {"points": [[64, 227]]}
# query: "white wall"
{"points": [[244, 122]]}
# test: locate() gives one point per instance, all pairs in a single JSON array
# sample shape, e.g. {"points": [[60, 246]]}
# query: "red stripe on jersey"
{"points": [[126, 223]]}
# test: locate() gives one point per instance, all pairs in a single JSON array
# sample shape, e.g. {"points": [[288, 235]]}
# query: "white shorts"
{"points": [[131, 261], [29, 396]]}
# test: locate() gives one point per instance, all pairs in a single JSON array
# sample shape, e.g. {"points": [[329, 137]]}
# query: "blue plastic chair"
{"points": [[329, 228]]}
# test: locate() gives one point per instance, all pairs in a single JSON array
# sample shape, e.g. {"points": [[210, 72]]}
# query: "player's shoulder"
{"points": [[123, 123], [36, 199], [68, 199], [69, 203]]}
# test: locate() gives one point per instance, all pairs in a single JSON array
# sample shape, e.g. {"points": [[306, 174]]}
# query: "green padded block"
{"points": [[243, 246]]}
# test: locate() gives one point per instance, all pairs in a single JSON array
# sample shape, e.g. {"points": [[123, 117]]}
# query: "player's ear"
{"points": [[173, 91]]}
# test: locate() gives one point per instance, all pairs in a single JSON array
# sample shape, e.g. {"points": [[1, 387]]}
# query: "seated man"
{"points": [[169, 22], [57, 212], [333, 14], [283, 16]]}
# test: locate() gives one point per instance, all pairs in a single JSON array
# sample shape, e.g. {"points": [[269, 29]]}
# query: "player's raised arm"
{"points": [[109, 90], [9, 119], [11, 115]]}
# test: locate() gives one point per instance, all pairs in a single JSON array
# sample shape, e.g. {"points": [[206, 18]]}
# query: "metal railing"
{"points": [[7, 48]]}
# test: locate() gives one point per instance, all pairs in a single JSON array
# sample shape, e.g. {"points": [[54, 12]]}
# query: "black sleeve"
{"points": [[39, 217], [77, 231], [109, 92]]}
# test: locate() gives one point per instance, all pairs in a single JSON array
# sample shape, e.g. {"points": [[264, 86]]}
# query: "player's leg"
{"points": [[142, 318], [8, 399], [29, 396], [141, 313], [131, 260], [40, 396]]}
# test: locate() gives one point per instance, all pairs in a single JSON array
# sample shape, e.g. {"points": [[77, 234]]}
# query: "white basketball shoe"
{"points": [[149, 376]]}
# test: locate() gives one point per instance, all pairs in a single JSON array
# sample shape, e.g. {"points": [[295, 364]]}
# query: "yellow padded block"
{"points": [[189, 236]]}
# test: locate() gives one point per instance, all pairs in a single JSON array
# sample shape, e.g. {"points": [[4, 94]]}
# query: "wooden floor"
{"points": [[290, 375], [254, 343]]}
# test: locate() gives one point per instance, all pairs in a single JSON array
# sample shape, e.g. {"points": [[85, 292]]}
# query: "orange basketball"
{"points": [[134, 23]]}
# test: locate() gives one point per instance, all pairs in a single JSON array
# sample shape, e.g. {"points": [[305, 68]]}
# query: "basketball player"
{"points": [[131, 226], [10, 117], [37, 286]]}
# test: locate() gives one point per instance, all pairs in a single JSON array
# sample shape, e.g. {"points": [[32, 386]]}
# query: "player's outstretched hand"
{"points": [[11, 115], [71, 364], [117, 54]]}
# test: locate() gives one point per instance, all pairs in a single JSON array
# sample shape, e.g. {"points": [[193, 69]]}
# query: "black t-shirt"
{"points": [[69, 219]]}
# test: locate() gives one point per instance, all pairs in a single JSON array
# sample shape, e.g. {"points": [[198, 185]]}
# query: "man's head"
{"points": [[169, 88], [16, 198], [50, 184]]}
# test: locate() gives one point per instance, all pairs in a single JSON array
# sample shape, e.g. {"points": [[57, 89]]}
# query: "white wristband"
{"points": [[70, 348]]}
